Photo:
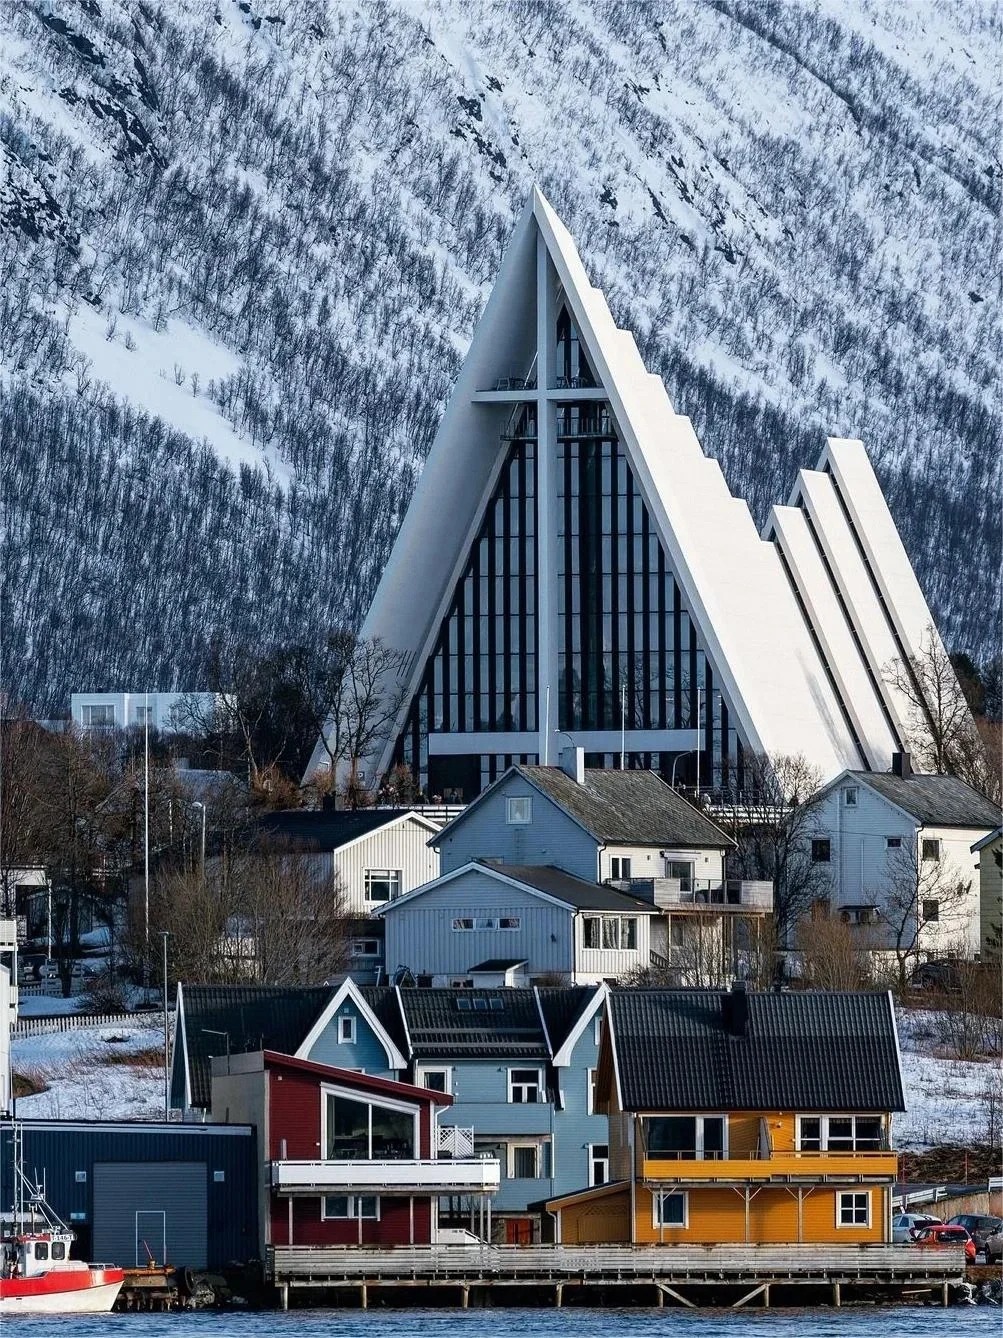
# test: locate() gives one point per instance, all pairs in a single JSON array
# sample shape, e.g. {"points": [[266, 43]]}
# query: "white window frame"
{"points": [[597, 1028], [615, 920], [353, 1208], [509, 924], [619, 868], [537, 1151], [851, 797], [591, 1075], [364, 1099], [424, 1070], [464, 924], [347, 1034], [657, 1196], [515, 814], [853, 1194], [541, 1091], [593, 1160], [87, 715], [359, 947], [394, 878], [824, 1133]]}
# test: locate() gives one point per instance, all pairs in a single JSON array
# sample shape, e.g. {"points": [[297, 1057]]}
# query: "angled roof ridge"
{"points": [[935, 799]]}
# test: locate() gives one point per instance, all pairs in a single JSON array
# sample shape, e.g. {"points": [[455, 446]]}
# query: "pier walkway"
{"points": [[681, 1275]]}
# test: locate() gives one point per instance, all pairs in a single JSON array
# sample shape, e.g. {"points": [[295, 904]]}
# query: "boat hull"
{"points": [[73, 1292]]}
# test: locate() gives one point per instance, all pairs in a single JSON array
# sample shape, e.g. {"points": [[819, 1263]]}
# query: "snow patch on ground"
{"points": [[154, 369], [87, 1077], [945, 1098]]}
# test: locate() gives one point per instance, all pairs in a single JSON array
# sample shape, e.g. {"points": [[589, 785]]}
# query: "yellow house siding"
{"points": [[718, 1215]]}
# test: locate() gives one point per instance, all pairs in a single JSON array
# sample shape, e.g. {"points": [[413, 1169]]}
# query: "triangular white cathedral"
{"points": [[573, 569]]}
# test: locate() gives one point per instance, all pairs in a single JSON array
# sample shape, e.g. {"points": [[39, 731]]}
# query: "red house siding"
{"points": [[294, 1115], [309, 1228]]}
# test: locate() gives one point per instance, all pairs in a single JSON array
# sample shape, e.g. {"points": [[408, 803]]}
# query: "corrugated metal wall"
{"points": [[67, 1152], [144, 1211]]}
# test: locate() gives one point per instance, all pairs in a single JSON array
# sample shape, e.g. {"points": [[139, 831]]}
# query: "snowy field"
{"points": [[115, 1073], [109, 1073], [945, 1098]]}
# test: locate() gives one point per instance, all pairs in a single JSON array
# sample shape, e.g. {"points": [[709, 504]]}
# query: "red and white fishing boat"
{"points": [[37, 1275]]}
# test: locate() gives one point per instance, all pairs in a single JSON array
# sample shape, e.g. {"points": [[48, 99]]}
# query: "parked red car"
{"points": [[940, 1236]]}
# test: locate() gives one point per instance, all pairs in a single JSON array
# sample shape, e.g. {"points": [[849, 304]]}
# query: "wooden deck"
{"points": [[685, 1275]]}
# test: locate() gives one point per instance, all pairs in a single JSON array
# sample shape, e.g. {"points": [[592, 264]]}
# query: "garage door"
{"points": [[150, 1208]]}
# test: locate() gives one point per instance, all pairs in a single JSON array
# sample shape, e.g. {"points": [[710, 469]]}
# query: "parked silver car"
{"points": [[979, 1226], [904, 1225]]}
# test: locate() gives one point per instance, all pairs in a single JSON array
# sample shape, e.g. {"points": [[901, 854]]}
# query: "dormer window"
{"points": [[519, 810]]}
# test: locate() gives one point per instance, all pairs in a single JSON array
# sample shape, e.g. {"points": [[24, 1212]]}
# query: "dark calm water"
{"points": [[863, 1322]]}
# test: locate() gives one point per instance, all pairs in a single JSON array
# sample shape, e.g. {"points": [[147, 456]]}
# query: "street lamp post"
{"points": [[675, 762]]}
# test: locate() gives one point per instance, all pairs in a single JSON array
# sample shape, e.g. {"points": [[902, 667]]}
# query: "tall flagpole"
{"points": [[146, 842]]}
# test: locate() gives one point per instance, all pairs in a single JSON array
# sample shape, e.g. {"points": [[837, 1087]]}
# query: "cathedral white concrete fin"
{"points": [[797, 677]]}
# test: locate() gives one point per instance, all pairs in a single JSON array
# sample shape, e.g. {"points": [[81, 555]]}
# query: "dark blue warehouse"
{"points": [[180, 1193]]}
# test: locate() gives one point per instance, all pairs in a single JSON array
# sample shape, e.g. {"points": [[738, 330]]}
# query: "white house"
{"points": [[573, 566], [126, 710], [899, 848]]}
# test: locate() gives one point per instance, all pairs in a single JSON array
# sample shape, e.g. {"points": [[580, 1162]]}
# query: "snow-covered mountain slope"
{"points": [[244, 243]]}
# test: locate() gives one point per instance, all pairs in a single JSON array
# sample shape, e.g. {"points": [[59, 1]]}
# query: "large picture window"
{"points": [[357, 1130], [686, 1137]]}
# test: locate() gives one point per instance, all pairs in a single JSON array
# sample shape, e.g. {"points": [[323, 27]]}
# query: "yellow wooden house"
{"points": [[743, 1117]]}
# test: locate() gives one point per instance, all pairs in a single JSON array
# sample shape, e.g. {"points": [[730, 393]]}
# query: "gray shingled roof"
{"points": [[935, 801], [324, 829], [472, 1024], [800, 1051], [628, 808], [574, 891], [241, 1019]]}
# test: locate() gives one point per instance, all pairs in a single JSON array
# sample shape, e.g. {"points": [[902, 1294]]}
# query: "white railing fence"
{"points": [[47, 1026], [456, 1140]]}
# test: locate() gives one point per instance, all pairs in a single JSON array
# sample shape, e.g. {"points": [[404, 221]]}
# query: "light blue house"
{"points": [[519, 1063]]}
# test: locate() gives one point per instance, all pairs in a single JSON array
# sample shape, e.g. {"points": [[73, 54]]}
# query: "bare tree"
{"points": [[834, 953], [919, 893], [943, 736], [774, 824], [353, 695]]}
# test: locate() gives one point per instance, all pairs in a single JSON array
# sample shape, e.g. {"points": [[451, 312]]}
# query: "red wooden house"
{"points": [[346, 1159]]}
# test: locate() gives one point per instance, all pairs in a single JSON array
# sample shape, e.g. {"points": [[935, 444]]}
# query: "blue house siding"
{"points": [[366, 1053], [420, 935], [552, 837], [576, 1128]]}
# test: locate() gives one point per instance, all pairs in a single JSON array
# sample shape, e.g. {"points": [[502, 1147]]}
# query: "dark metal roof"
{"points": [[497, 964], [573, 891], [562, 1007], [250, 1017], [628, 808], [934, 801], [472, 1024], [800, 1051], [382, 999], [314, 829]]}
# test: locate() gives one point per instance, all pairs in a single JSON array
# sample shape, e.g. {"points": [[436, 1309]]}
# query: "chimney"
{"points": [[572, 763], [735, 1008], [901, 765]]}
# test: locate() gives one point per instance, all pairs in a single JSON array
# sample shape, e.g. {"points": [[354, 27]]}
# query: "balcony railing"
{"points": [[446, 1175], [455, 1139], [699, 894]]}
